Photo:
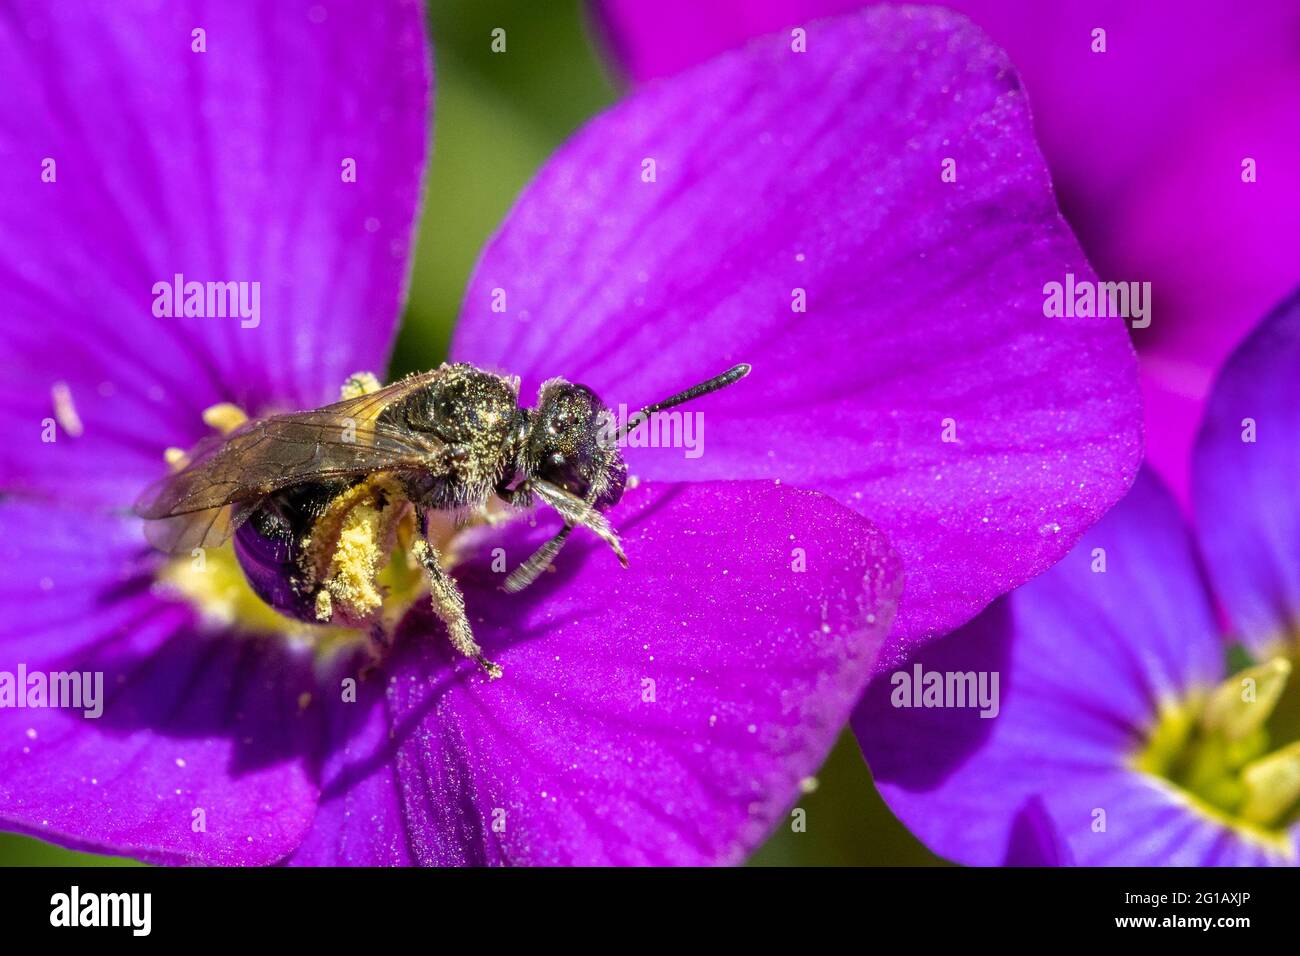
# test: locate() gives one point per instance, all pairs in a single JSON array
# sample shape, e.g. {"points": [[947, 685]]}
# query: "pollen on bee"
{"points": [[324, 605], [65, 410], [350, 548], [224, 417], [356, 557]]}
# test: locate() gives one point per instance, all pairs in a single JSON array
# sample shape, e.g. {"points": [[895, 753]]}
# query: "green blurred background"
{"points": [[497, 117]]}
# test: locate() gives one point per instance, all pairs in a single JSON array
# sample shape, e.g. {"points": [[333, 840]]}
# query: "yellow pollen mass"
{"points": [[355, 560], [324, 606]]}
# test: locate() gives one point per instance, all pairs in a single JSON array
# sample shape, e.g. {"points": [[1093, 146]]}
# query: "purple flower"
{"points": [[128, 158], [788, 181], [1145, 141], [1118, 711], [1034, 840], [768, 207]]}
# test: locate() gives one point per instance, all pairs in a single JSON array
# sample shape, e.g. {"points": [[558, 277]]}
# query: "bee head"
{"points": [[571, 444]]}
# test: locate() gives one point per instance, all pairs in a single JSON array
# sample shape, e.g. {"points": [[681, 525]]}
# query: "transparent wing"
{"points": [[181, 534], [264, 456]]}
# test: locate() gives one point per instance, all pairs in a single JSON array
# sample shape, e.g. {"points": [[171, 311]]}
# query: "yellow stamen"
{"points": [[176, 459], [224, 417], [1272, 785], [65, 410], [1241, 704], [1231, 753], [358, 384]]}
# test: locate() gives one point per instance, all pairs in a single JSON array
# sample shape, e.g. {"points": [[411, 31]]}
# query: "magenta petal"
{"points": [[778, 171], [207, 725], [359, 820], [75, 582], [1153, 185], [659, 39], [1244, 470], [189, 723], [662, 714], [224, 165], [1085, 660]]}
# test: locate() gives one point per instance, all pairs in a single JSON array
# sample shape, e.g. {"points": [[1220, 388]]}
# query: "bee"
{"points": [[314, 500]]}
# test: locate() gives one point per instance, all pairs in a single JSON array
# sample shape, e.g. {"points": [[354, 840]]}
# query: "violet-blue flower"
{"points": [[1119, 712], [794, 217]]}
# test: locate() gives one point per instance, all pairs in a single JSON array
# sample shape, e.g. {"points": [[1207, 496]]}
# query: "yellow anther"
{"points": [[358, 384], [224, 417], [65, 410], [176, 458], [1272, 785], [1241, 704]]}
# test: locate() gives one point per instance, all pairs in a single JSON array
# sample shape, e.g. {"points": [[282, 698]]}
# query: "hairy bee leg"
{"points": [[449, 605], [520, 497], [539, 561], [378, 643], [576, 511], [484, 518], [379, 640]]}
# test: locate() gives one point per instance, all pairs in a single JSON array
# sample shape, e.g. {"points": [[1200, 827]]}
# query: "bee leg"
{"points": [[378, 643], [449, 605], [521, 496], [379, 640], [484, 517]]}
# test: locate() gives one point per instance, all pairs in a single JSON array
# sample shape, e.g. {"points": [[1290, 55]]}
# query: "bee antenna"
{"points": [[729, 377]]}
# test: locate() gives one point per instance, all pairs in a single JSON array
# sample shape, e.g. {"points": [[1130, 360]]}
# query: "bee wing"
{"points": [[183, 533], [264, 456]]}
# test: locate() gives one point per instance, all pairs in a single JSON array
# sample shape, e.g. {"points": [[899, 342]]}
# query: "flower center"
{"points": [[1235, 751]]}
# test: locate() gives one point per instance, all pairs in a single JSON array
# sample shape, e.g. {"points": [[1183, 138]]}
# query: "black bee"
{"points": [[315, 499]]}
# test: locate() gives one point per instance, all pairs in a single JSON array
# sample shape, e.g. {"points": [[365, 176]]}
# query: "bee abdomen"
{"points": [[269, 547]]}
